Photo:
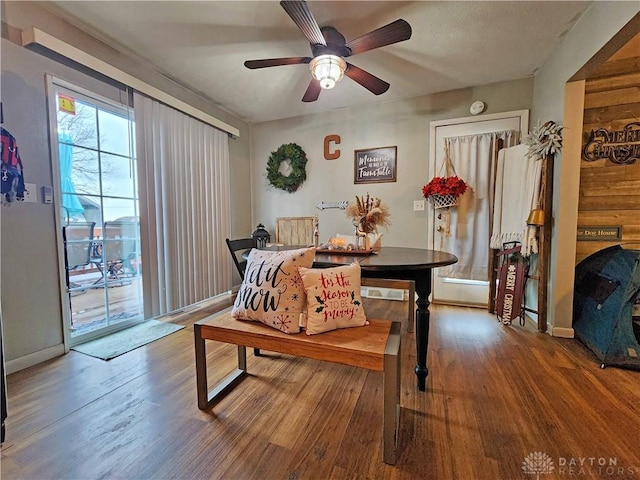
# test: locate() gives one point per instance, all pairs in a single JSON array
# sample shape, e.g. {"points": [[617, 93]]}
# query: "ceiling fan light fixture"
{"points": [[327, 69]]}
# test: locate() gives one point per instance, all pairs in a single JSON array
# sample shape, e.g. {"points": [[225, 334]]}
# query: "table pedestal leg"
{"points": [[423, 290]]}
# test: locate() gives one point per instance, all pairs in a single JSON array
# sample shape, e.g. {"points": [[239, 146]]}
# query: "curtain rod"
{"points": [[35, 36]]}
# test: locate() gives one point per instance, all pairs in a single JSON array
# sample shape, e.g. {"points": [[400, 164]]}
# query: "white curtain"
{"points": [[183, 168], [473, 157]]}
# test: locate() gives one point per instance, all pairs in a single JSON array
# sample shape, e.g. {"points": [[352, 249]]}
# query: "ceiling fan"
{"points": [[329, 49]]}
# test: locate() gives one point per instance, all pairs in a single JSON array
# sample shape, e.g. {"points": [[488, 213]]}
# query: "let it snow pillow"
{"points": [[333, 298], [272, 290]]}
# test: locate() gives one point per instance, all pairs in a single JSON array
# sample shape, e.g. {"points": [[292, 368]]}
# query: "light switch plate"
{"points": [[418, 205], [30, 193]]}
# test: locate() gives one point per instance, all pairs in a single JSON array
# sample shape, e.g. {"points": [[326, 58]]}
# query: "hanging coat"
{"points": [[11, 171]]}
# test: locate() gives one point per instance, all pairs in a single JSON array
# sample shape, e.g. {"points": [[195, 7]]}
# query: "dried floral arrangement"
{"points": [[545, 139], [444, 186], [370, 213]]}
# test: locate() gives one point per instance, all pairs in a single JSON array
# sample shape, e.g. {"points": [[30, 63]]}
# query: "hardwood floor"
{"points": [[494, 395]]}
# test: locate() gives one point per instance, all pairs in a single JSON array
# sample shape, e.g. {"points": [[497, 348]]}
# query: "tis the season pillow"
{"points": [[272, 290], [333, 297]]}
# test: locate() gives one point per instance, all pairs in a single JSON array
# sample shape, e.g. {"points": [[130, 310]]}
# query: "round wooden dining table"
{"points": [[397, 263]]}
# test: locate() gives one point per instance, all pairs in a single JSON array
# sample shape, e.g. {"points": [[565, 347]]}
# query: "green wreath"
{"points": [[297, 159]]}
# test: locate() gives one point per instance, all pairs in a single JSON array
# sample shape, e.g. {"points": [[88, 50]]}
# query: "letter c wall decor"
{"points": [[336, 153]]}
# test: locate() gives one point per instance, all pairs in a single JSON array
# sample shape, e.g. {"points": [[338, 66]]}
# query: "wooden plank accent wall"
{"points": [[609, 193]]}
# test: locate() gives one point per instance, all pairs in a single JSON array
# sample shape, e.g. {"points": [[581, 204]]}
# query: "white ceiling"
{"points": [[203, 45]]}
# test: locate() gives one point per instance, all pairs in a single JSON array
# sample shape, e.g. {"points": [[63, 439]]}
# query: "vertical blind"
{"points": [[183, 169]]}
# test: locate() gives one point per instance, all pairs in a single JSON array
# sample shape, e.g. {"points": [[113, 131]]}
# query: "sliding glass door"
{"points": [[98, 211]]}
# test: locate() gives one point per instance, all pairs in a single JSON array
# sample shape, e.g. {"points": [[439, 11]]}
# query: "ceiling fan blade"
{"points": [[304, 19], [276, 62], [313, 91], [395, 32], [367, 80]]}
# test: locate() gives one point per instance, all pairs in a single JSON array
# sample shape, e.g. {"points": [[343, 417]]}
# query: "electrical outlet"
{"points": [[30, 193], [418, 205]]}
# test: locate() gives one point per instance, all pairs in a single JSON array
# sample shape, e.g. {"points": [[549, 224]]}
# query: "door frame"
{"points": [[432, 167], [50, 91]]}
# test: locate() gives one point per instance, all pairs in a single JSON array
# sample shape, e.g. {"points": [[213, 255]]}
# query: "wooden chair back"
{"points": [[295, 230]]}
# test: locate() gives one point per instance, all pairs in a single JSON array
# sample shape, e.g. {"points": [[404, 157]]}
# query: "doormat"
{"points": [[116, 344]]}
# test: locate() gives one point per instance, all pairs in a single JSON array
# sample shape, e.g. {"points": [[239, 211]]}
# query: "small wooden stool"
{"points": [[374, 347]]}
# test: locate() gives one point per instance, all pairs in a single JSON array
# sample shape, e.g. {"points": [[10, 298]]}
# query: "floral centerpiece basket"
{"points": [[443, 191]]}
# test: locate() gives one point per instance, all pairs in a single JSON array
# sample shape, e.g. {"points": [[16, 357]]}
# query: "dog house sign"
{"points": [[600, 233]]}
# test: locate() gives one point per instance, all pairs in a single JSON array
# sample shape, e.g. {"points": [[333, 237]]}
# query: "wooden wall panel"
{"points": [[608, 205], [607, 98], [592, 173], [618, 67], [615, 124], [606, 84], [611, 113], [627, 188], [619, 217], [631, 233], [610, 193]]}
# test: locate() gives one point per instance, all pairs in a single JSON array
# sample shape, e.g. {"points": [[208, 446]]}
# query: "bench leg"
{"points": [[207, 399], [391, 401]]}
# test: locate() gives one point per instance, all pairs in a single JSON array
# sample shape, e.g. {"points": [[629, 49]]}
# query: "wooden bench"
{"points": [[374, 347]]}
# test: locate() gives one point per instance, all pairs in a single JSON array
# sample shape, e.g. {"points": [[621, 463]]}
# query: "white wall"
{"points": [[401, 123], [590, 33]]}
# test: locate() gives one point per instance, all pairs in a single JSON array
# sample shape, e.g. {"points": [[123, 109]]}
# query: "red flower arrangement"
{"points": [[444, 186]]}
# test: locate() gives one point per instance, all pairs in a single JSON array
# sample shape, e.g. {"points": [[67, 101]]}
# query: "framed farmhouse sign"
{"points": [[375, 165]]}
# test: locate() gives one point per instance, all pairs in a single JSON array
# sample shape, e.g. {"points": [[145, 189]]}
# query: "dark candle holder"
{"points": [[261, 236]]}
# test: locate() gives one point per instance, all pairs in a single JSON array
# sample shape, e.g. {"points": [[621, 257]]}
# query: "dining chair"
{"points": [[296, 230], [237, 248]]}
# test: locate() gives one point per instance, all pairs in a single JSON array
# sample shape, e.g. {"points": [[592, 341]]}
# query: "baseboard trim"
{"points": [[562, 332], [35, 358]]}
